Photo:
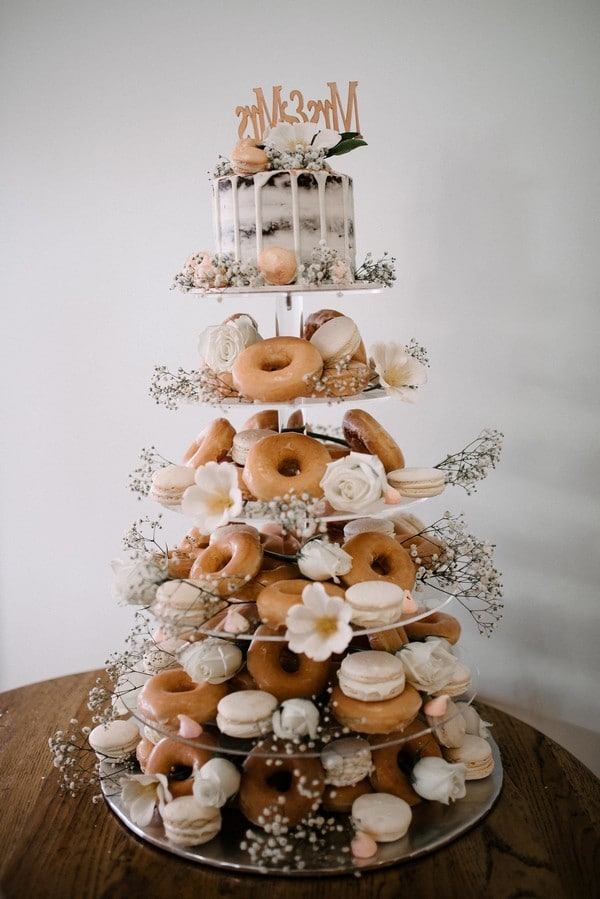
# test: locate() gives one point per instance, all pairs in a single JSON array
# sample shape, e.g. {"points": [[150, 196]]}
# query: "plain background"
{"points": [[481, 177]]}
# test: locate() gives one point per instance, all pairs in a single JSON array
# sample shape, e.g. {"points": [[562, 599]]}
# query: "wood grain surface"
{"points": [[541, 839]]}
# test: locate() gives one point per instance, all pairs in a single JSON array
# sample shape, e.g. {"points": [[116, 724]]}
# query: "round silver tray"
{"points": [[433, 826]]}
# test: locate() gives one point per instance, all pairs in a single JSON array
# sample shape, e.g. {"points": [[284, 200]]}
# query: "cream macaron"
{"points": [[246, 713], [346, 761], [417, 483], [170, 483], [187, 823], [336, 339], [475, 753], [369, 526], [375, 603], [182, 604], [381, 816], [115, 741], [245, 440], [371, 675]]}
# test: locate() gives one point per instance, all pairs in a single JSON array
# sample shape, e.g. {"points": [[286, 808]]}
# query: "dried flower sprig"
{"points": [[472, 464], [418, 352], [171, 389], [464, 569], [77, 763], [295, 514], [139, 541], [222, 168], [378, 271], [140, 480]]}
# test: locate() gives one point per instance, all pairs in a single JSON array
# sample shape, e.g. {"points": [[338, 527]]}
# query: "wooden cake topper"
{"points": [[329, 113]]}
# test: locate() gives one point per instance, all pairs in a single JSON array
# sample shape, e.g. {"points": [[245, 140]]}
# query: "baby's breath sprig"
{"points": [[418, 352], [216, 272], [140, 480], [295, 514], [472, 464], [326, 267], [465, 570], [377, 271], [171, 389], [222, 168], [77, 763], [312, 159], [139, 541]]}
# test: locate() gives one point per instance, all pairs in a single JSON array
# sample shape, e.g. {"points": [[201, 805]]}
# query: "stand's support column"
{"points": [[289, 309]]}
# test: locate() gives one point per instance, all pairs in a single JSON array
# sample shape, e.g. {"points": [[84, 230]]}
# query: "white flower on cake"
{"points": [[215, 498], [319, 625], [135, 582], [438, 780], [355, 483], [399, 372], [220, 345], [288, 137], [296, 718], [215, 782], [141, 793], [321, 560], [428, 666]]}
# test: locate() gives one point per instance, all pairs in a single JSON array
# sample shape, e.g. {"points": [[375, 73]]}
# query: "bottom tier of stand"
{"points": [[241, 847]]}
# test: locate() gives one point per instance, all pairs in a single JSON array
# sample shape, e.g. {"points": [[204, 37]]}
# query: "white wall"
{"points": [[481, 175]]}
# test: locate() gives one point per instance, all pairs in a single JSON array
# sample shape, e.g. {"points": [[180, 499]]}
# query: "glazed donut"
{"points": [[179, 564], [438, 624], [277, 370], [340, 799], [142, 752], [219, 622], [275, 601], [377, 557], [388, 775], [284, 463], [344, 379], [376, 717], [274, 539], [365, 435], [271, 571], [276, 786], [228, 563], [314, 321], [211, 445], [266, 420], [193, 542], [171, 693], [390, 640], [281, 672], [172, 758], [424, 547]]}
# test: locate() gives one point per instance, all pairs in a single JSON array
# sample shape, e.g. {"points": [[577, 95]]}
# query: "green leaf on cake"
{"points": [[350, 140]]}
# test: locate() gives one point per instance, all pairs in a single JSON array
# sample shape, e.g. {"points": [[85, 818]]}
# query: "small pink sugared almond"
{"points": [[409, 606], [437, 707], [188, 728], [363, 846]]}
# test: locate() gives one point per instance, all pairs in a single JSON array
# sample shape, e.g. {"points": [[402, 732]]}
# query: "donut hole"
{"points": [[289, 467], [180, 772], [275, 364], [182, 688], [280, 781], [381, 565], [289, 661]]}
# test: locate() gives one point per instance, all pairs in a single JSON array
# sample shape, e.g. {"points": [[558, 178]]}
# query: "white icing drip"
{"points": [[322, 181], [236, 215], [259, 217], [217, 214], [295, 214], [346, 223]]}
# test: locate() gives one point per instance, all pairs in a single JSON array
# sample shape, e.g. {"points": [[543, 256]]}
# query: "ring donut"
{"points": [[438, 624], [281, 672], [271, 571], [388, 775], [171, 693], [277, 369], [389, 640], [174, 759], [274, 601], [211, 445], [346, 379], [377, 557], [365, 435], [340, 799], [228, 563], [275, 786], [376, 717], [286, 463]]}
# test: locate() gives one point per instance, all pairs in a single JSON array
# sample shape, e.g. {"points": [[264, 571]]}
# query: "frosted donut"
{"points": [[377, 557], [438, 624], [281, 672], [284, 463], [171, 693], [228, 563], [274, 785], [277, 370], [169, 757], [388, 775], [275, 601], [365, 435], [378, 717], [212, 444]]}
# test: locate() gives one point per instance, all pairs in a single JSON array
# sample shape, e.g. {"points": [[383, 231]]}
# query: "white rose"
{"points": [[428, 666], [296, 718], [320, 560], [220, 345], [473, 722], [438, 780], [355, 483], [215, 782], [135, 582]]}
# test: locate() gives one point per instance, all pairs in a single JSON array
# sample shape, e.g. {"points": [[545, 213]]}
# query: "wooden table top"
{"points": [[542, 838]]}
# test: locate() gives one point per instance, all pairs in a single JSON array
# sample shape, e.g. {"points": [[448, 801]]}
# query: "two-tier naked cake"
{"points": [[293, 698]]}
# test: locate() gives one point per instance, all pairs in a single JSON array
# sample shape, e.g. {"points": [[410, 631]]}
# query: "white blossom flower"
{"points": [[438, 780], [355, 483], [399, 372], [428, 666], [215, 782], [135, 581], [215, 498], [141, 793], [296, 718], [321, 560], [220, 345], [287, 137], [319, 625]]}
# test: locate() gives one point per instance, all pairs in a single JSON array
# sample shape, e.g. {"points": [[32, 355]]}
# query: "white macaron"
{"points": [[381, 816], [375, 603], [371, 675], [246, 713]]}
